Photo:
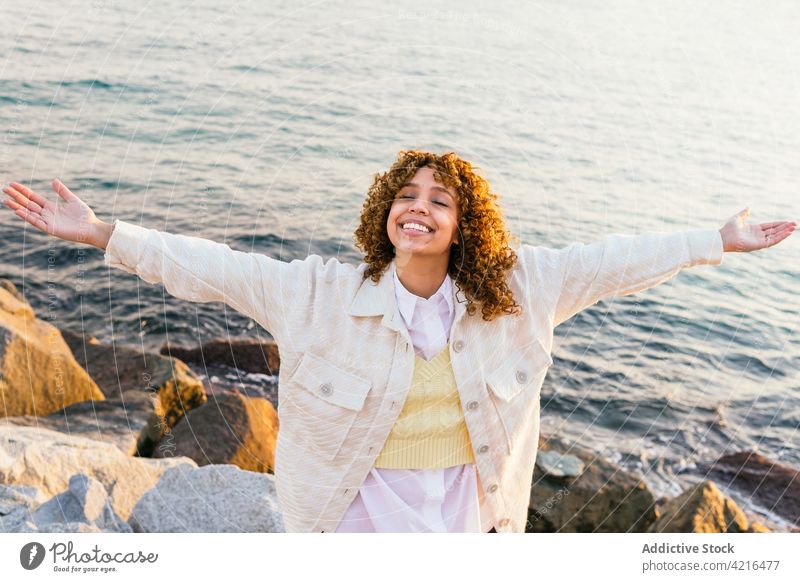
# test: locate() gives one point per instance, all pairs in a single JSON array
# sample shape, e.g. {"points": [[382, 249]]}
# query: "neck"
{"points": [[422, 276]]}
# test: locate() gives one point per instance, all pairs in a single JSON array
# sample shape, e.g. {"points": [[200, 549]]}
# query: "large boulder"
{"points": [[118, 421], [248, 355], [38, 373], [59, 527], [702, 508], [231, 428], [763, 482], [47, 460], [85, 501], [214, 498], [119, 370], [17, 502], [575, 490]]}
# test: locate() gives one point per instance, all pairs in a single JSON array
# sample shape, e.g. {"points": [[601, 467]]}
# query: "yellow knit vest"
{"points": [[430, 432]]}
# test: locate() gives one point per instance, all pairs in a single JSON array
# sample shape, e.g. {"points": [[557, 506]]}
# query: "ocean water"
{"points": [[261, 126]]}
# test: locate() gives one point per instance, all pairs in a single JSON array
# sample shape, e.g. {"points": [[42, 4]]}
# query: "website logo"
{"points": [[31, 555]]}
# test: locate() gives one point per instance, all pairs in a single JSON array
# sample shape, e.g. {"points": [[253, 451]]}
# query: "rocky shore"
{"points": [[103, 438]]}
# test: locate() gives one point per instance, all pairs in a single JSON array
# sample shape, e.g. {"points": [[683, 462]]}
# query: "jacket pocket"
{"points": [[322, 412], [514, 388]]}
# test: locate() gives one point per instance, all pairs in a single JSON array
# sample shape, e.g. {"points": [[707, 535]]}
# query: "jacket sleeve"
{"points": [[581, 274], [201, 271]]}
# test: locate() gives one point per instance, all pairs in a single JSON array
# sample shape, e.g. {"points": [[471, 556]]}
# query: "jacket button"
{"points": [[521, 376], [504, 522], [458, 346], [483, 448], [472, 405], [493, 488], [326, 389]]}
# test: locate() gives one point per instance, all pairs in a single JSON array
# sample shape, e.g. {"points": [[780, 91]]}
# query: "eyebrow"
{"points": [[415, 185]]}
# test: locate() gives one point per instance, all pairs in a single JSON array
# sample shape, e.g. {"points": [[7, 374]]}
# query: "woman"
{"points": [[409, 385]]}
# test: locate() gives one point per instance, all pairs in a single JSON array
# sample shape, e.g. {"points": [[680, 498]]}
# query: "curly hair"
{"points": [[480, 263]]}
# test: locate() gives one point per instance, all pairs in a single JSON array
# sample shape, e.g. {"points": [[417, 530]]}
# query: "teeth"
{"points": [[415, 226]]}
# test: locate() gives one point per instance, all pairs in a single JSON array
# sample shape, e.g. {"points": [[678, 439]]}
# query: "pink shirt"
{"points": [[420, 500]]}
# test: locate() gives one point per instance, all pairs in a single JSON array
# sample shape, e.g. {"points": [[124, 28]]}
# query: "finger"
{"points": [[12, 204], [32, 218], [777, 230], [767, 226], [25, 191], [775, 238], [22, 200], [63, 191]]}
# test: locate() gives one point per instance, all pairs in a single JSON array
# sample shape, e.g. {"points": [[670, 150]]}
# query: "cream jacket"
{"points": [[347, 360]]}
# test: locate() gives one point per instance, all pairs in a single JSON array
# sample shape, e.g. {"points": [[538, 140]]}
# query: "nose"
{"points": [[419, 204]]}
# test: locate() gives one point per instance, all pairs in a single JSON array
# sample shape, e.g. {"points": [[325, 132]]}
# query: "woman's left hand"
{"points": [[743, 238]]}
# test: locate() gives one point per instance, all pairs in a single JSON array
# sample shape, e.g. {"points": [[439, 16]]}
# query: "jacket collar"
{"points": [[408, 303], [379, 299]]}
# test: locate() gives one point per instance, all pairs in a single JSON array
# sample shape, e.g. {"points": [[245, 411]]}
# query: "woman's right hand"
{"points": [[72, 220]]}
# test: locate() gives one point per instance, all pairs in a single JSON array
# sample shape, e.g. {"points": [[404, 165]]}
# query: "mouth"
{"points": [[413, 232], [418, 229]]}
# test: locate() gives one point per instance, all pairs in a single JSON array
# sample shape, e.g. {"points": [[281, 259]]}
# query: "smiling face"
{"points": [[425, 201]]}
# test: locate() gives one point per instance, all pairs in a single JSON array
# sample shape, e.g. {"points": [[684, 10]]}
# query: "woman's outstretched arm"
{"points": [[190, 268], [580, 275]]}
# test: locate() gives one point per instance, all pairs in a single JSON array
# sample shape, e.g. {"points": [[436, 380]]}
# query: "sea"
{"points": [[261, 126]]}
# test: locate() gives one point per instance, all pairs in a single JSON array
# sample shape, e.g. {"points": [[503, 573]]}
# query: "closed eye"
{"points": [[435, 201]]}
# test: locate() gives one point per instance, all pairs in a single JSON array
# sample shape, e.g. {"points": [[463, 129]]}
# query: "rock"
{"points": [[13, 302], [764, 482], [701, 508], [233, 428], [57, 527], [118, 421], [84, 501], [38, 373], [119, 369], [555, 464], [179, 395], [756, 527], [16, 504], [213, 498], [602, 498], [243, 354], [9, 286], [46, 460]]}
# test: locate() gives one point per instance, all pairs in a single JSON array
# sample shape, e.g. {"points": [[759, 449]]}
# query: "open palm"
{"points": [[71, 220], [737, 236]]}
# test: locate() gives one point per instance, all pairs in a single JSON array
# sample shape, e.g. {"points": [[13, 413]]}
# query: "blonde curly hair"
{"points": [[480, 263]]}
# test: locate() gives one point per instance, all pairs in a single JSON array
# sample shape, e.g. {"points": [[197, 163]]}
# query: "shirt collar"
{"points": [[407, 301]]}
